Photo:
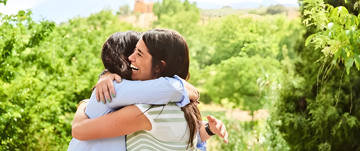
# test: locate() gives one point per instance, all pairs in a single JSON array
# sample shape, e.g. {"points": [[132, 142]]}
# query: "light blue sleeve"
{"points": [[157, 91]]}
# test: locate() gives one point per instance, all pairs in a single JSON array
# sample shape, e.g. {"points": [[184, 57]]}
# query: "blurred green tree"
{"points": [[124, 10], [3, 1], [177, 15], [276, 9], [45, 70]]}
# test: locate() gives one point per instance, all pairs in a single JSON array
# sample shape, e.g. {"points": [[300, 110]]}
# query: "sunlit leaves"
{"points": [[3, 1], [341, 31]]}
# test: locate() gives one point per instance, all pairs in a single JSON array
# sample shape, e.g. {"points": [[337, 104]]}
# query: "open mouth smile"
{"points": [[134, 68]]}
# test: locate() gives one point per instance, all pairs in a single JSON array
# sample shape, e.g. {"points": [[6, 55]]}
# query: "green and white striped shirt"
{"points": [[169, 130]]}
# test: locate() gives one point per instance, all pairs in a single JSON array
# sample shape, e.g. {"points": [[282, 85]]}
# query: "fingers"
{"points": [[117, 78], [111, 87], [226, 137], [218, 128], [112, 90], [210, 118], [101, 94], [222, 131], [97, 94], [106, 89]]}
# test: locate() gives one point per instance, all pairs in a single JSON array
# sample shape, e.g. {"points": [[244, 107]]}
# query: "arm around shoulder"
{"points": [[157, 91]]}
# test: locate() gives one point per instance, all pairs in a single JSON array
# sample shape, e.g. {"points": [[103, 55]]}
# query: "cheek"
{"points": [[148, 67]]}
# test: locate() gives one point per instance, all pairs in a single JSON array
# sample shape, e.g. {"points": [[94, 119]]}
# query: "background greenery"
{"points": [[303, 71]]}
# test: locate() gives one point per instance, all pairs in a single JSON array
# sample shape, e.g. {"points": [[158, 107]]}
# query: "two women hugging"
{"points": [[146, 101]]}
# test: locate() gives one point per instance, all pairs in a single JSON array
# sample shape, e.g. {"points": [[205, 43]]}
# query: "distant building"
{"points": [[142, 6]]}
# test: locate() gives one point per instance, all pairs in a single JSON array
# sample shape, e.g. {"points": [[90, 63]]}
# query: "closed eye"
{"points": [[139, 52]]}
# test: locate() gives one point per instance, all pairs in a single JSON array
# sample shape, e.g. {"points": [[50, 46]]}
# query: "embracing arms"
{"points": [[128, 119], [125, 121], [122, 122]]}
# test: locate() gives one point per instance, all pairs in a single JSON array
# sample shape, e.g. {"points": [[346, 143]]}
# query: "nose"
{"points": [[132, 57]]}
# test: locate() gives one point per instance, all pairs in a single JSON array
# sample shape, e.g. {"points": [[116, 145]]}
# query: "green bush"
{"points": [[318, 106], [45, 69], [231, 61], [276, 9]]}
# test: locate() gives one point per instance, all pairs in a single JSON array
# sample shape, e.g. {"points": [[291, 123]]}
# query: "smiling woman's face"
{"points": [[141, 63]]}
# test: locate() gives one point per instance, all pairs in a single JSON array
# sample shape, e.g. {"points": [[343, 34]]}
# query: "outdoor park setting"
{"points": [[280, 77]]}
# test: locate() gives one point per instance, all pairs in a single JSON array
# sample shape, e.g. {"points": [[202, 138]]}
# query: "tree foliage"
{"points": [[337, 32], [177, 15], [45, 69], [124, 10], [275, 9], [231, 61], [3, 1], [318, 104]]}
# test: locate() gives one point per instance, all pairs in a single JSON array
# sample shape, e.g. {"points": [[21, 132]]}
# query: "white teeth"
{"points": [[133, 67]]}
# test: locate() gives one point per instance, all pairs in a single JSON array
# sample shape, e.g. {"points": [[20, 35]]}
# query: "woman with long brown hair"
{"points": [[159, 53]]}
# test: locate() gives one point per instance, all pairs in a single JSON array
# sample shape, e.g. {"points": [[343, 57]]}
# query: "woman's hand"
{"points": [[105, 85], [218, 128], [192, 91]]}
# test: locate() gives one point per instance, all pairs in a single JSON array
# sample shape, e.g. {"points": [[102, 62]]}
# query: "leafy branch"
{"points": [[337, 32]]}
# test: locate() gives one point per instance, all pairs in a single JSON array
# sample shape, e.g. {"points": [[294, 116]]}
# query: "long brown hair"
{"points": [[171, 47]]}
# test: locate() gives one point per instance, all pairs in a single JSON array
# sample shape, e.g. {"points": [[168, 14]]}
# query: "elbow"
{"points": [[76, 133]]}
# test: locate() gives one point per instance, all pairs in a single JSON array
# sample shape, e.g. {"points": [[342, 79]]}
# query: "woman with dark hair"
{"points": [[148, 55]]}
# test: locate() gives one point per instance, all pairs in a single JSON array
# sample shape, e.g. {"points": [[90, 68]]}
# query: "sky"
{"points": [[62, 10]]}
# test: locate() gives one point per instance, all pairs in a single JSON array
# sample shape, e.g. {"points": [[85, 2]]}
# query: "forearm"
{"points": [[203, 134], [158, 91], [86, 129], [122, 122], [77, 121]]}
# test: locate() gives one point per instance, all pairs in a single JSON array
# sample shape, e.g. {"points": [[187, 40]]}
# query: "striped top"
{"points": [[169, 130]]}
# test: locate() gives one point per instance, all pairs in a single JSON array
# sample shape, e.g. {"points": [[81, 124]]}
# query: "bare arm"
{"points": [[122, 122]]}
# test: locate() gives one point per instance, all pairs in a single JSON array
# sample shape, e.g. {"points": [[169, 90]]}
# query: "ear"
{"points": [[163, 64]]}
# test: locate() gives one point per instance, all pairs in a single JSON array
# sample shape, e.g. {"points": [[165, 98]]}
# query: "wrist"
{"points": [[208, 131], [103, 72]]}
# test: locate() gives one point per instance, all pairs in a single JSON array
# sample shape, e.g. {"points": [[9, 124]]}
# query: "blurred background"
{"points": [[280, 74]]}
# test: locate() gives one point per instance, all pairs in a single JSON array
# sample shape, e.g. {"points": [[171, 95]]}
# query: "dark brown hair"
{"points": [[116, 51], [171, 47]]}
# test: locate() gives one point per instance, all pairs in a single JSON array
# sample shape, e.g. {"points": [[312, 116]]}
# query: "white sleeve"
{"points": [[157, 91]]}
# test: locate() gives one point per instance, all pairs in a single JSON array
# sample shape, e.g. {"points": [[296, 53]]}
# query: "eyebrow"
{"points": [[140, 51]]}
